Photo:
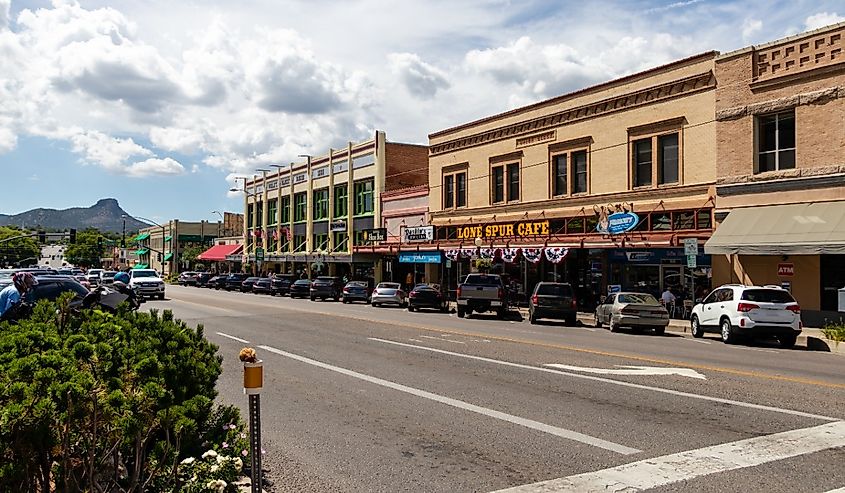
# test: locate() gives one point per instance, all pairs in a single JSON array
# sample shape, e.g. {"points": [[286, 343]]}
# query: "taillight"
{"points": [[459, 292], [746, 307], [413, 294], [796, 309], [628, 311], [535, 299], [501, 294], [574, 304], [346, 290]]}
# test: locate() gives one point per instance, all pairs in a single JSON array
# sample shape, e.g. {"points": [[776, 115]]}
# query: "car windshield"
{"points": [[108, 274], [554, 290], [144, 273], [638, 298], [481, 280], [768, 296], [388, 285]]}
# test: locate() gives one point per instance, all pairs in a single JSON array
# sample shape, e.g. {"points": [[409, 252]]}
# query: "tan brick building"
{"points": [[551, 176], [161, 247], [318, 216], [780, 109]]}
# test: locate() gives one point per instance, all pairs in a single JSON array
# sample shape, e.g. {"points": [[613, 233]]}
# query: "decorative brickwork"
{"points": [[804, 54]]}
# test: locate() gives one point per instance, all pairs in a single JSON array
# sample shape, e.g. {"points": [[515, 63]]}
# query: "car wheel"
{"points": [[659, 330], [598, 322], [313, 298], [613, 327], [375, 305], [571, 321], [501, 314], [787, 340], [727, 331], [695, 327], [461, 312], [410, 308], [532, 319]]}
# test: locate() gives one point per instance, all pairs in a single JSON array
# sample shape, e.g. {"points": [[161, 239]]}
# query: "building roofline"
{"points": [[580, 92], [788, 39]]}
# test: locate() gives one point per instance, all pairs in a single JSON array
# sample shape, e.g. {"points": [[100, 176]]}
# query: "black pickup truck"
{"points": [[482, 293]]}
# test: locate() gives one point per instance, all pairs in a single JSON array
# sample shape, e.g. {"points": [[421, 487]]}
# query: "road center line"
{"points": [[233, 337], [660, 471], [614, 382], [528, 423]]}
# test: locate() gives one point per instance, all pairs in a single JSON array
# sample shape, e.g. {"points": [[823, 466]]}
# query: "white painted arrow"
{"points": [[632, 370]]}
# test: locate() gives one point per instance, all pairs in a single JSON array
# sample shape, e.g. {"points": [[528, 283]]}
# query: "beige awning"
{"points": [[796, 229]]}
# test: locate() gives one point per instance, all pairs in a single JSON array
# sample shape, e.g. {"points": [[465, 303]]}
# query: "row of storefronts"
{"points": [[708, 170]]}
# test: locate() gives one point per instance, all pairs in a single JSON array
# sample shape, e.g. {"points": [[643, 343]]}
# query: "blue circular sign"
{"points": [[618, 222]]}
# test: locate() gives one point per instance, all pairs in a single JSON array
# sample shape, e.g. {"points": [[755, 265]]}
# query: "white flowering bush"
{"points": [[211, 472]]}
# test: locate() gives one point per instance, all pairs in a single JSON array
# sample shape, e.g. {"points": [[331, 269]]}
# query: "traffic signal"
{"points": [[159, 257], [99, 240], [72, 236], [42, 237]]}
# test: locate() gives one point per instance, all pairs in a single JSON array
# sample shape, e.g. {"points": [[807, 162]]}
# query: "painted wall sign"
{"points": [[338, 225], [371, 235], [420, 258], [418, 234], [618, 223], [786, 269], [518, 229], [320, 172], [301, 177]]}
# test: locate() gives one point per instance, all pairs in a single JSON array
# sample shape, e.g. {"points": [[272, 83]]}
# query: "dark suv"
{"points": [[234, 281], [553, 300], [326, 287]]}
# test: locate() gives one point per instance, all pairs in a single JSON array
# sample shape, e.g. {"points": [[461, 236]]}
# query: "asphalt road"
{"points": [[378, 399]]}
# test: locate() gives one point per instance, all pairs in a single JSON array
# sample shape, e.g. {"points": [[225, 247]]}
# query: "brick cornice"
{"points": [[681, 87]]}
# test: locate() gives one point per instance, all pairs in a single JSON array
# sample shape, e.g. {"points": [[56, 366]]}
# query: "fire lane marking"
{"points": [[684, 466], [615, 382], [510, 418]]}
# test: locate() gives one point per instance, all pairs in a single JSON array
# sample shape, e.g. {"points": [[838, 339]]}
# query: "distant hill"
{"points": [[105, 215]]}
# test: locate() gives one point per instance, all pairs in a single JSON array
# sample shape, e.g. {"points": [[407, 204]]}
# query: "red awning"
{"points": [[218, 253]]}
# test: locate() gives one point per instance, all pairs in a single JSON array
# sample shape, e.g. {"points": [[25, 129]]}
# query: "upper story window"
{"points": [[513, 182], [505, 183], [272, 211], [341, 200], [300, 206], [571, 164], [249, 216], [259, 215], [364, 197], [286, 209], [656, 160], [321, 204], [455, 189], [776, 141]]}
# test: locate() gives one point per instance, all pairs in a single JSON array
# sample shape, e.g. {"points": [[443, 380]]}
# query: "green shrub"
{"points": [[107, 402], [834, 332]]}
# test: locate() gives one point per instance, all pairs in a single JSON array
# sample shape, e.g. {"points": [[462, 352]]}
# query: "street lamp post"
{"points": [[219, 224], [162, 240]]}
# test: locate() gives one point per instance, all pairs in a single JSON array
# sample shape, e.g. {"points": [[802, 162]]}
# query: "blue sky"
{"points": [[161, 104]]}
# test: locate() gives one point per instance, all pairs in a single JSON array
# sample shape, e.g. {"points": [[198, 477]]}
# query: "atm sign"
{"points": [[786, 270]]}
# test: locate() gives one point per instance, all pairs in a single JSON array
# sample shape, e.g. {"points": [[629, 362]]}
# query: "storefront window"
{"points": [[299, 243], [705, 219], [575, 225], [684, 220], [341, 242], [661, 221], [320, 241], [592, 223]]}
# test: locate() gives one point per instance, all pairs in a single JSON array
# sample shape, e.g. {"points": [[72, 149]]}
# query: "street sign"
{"points": [[786, 270], [259, 254], [690, 246], [691, 261]]}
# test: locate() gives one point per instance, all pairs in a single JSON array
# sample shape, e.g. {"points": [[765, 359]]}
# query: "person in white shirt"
{"points": [[667, 297]]}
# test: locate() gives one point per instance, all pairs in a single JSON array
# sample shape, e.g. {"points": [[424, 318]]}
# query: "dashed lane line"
{"points": [[233, 337], [466, 406], [685, 466], [612, 381]]}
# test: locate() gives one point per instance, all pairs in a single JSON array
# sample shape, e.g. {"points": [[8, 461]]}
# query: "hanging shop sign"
{"points": [[420, 258], [338, 226], [617, 223], [373, 235], [508, 230], [418, 234]]}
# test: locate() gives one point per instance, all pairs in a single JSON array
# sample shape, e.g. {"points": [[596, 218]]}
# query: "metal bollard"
{"points": [[253, 383]]}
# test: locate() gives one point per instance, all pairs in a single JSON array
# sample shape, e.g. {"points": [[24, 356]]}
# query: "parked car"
{"points": [[246, 285], [217, 282], [356, 291], [187, 279], [262, 285], [93, 276], [234, 281], [427, 296], [49, 287], [325, 287], [482, 293], [736, 310], [281, 284], [388, 293], [300, 289], [5, 277], [147, 283], [553, 300], [203, 278], [107, 277], [634, 310]]}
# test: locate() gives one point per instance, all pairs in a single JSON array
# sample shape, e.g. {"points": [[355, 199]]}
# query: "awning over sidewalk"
{"points": [[795, 229], [218, 253]]}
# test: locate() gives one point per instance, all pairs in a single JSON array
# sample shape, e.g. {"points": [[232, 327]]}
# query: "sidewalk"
{"points": [[811, 338]]}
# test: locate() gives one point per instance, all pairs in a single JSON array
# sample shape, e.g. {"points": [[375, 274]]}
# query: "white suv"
{"points": [[735, 310], [147, 283]]}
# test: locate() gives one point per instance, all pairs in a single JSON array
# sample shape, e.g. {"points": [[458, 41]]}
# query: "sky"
{"points": [[161, 103]]}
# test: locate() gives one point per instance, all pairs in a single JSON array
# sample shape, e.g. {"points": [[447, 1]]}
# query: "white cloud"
{"points": [[155, 166], [5, 6], [420, 78], [750, 27], [109, 152], [822, 19]]}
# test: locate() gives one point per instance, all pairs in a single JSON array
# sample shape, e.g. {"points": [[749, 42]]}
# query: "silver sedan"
{"points": [[388, 293], [634, 310]]}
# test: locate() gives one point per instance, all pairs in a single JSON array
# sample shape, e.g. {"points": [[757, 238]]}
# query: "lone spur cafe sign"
{"points": [[506, 230]]}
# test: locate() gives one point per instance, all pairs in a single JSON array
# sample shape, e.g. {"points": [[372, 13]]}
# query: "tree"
{"points": [[87, 251], [190, 255], [19, 250]]}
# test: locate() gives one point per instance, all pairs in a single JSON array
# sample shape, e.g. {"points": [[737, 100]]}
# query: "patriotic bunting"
{"points": [[509, 254], [556, 255], [532, 255]]}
